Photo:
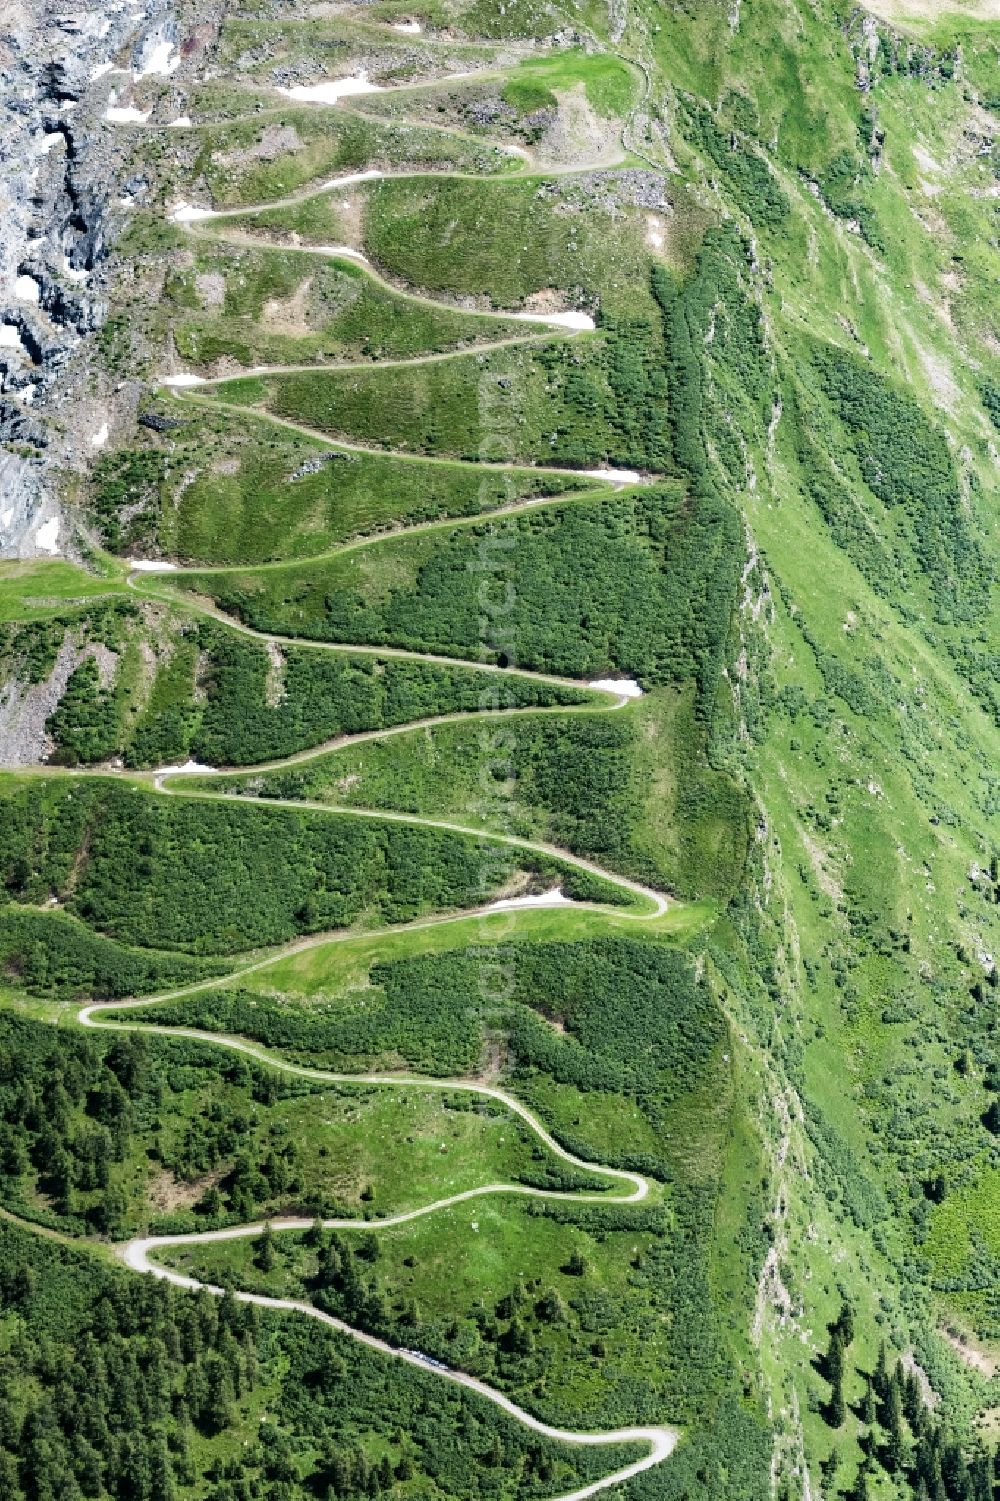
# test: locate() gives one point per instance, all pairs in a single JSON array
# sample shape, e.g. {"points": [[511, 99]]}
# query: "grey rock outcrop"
{"points": [[59, 166]]}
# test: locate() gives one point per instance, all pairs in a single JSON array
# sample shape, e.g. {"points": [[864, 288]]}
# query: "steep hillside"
{"points": [[507, 738]]}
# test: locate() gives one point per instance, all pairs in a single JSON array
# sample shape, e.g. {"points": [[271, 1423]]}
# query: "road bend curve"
{"points": [[139, 1254], [661, 1441]]}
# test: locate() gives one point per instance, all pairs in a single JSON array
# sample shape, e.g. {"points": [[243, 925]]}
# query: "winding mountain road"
{"points": [[647, 905], [140, 1253]]}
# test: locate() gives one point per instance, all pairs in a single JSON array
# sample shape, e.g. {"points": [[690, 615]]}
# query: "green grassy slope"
{"points": [[222, 493]]}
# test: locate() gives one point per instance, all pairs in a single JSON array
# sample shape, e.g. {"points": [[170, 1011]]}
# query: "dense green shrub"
{"points": [[727, 1458], [28, 652], [905, 461], [575, 769], [746, 173], [226, 700], [644, 583], [578, 780], [84, 725], [50, 954], [619, 388], [214, 877], [564, 402], [319, 695], [427, 1023], [842, 185], [713, 334], [127, 484]]}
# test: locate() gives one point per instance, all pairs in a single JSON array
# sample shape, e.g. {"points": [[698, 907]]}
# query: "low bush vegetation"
{"points": [[213, 877], [644, 584]]}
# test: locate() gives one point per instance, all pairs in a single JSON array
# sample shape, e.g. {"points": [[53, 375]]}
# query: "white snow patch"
{"points": [[553, 898], [10, 338], [26, 289], [345, 182], [344, 251], [626, 687], [558, 320], [163, 59], [49, 139], [189, 213], [5, 516], [101, 69], [411, 28], [71, 271], [47, 535], [126, 114], [183, 378], [99, 438], [181, 123], [612, 476], [145, 565], [186, 769], [330, 90]]}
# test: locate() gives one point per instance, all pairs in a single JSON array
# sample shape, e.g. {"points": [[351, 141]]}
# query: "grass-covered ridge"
{"points": [[631, 788], [249, 305], [149, 689], [253, 161], [586, 1024], [506, 241], [267, 1394], [142, 1134], [602, 397]]}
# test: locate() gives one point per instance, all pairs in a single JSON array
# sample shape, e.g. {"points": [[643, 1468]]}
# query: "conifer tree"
{"points": [[264, 1253]]}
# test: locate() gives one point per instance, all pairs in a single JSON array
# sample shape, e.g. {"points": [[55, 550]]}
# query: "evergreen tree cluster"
{"points": [[109, 1383], [903, 1436], [82, 1117]]}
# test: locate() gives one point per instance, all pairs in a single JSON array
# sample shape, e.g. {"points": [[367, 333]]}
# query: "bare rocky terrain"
{"points": [[64, 198]]}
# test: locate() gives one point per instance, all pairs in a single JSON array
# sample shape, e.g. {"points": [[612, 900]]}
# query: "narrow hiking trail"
{"points": [[645, 905], [335, 366], [616, 478]]}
